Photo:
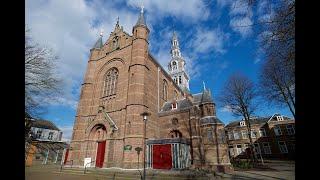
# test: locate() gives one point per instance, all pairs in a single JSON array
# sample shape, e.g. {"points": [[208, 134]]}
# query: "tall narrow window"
{"points": [[50, 135], [165, 90], [175, 94], [110, 83], [180, 80]]}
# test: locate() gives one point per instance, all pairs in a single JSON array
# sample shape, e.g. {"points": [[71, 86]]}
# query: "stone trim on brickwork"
{"points": [[169, 141]]}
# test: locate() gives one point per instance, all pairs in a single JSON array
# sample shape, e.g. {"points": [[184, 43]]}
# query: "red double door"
{"points": [[100, 153], [161, 156]]}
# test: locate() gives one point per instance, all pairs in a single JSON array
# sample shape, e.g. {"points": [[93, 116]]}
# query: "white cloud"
{"points": [[207, 41], [241, 20], [190, 11], [226, 109], [71, 28], [265, 11], [66, 133], [242, 25]]}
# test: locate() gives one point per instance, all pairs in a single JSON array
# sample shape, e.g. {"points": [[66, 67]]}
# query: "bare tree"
{"points": [[239, 94], [276, 85], [40, 80], [277, 77]]}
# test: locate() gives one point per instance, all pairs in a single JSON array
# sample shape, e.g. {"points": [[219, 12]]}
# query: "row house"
{"points": [[273, 137], [43, 143]]}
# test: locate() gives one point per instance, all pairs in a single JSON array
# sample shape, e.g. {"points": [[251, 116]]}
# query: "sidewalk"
{"points": [[277, 170]]}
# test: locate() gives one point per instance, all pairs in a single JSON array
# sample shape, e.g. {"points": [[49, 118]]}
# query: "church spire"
{"points": [[141, 21], [177, 65], [99, 44], [175, 50]]}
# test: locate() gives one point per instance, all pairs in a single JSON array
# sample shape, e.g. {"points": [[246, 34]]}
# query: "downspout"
{"points": [[158, 89]]}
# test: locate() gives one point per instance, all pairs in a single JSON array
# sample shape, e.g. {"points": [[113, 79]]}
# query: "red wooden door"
{"points": [[161, 156], [66, 156], [100, 154]]}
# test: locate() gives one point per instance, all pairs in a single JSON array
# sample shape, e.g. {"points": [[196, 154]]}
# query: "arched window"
{"points": [[175, 94], [174, 65], [115, 42], [110, 82], [165, 90], [180, 80], [175, 134]]}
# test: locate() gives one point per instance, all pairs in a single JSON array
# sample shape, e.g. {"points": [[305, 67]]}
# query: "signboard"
{"points": [[87, 162], [127, 147]]}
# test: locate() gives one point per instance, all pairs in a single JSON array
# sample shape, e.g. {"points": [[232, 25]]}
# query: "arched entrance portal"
{"points": [[98, 134]]}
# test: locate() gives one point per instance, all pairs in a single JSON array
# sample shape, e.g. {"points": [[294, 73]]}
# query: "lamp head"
{"points": [[145, 115]]}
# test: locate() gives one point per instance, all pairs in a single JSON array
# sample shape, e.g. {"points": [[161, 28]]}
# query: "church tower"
{"points": [[177, 65]]}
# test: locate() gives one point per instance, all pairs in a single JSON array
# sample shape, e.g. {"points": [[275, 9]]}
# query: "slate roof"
{"points": [[210, 120], [258, 120], [204, 97], [181, 104], [141, 20], [98, 44], [44, 124]]}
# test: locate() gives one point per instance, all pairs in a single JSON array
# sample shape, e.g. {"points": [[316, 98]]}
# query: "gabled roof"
{"points": [[181, 104], [258, 120], [45, 124], [203, 97], [210, 120], [274, 117]]}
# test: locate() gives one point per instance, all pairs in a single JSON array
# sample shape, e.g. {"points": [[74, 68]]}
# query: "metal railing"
{"points": [[62, 164], [85, 166]]}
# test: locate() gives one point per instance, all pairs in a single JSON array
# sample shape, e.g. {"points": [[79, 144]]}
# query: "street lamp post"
{"points": [[145, 116]]}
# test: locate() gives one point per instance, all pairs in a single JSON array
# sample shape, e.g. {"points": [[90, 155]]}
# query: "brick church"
{"points": [[122, 81]]}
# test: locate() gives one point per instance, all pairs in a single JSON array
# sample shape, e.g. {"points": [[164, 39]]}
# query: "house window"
{"points": [[165, 90], [231, 151], [283, 147], [242, 123], [209, 134], [174, 105], [238, 149], [253, 134], [110, 83], [290, 129], [39, 133], [279, 118], [262, 132], [50, 135], [236, 135], [266, 148], [245, 146], [244, 134], [230, 135], [277, 130]]}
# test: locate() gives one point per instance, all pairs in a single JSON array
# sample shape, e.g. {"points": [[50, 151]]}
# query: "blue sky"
{"points": [[216, 40]]}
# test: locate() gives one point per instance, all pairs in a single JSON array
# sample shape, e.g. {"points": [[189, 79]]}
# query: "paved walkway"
{"points": [[279, 170]]}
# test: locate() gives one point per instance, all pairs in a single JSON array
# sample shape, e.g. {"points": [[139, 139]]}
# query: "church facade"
{"points": [[122, 81]]}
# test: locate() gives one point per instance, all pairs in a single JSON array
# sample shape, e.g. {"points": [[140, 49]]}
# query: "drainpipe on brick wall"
{"points": [[158, 89]]}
